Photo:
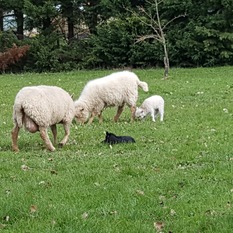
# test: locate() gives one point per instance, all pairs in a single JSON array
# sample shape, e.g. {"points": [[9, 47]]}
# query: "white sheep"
{"points": [[116, 89], [153, 105], [39, 107]]}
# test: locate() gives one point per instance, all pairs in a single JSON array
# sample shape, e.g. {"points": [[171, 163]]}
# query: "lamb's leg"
{"points": [[54, 131], [14, 137], [67, 134], [133, 110], [161, 113], [45, 138], [152, 113], [119, 111]]}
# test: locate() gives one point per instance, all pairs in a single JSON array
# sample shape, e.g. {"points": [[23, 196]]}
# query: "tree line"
{"points": [[91, 34]]}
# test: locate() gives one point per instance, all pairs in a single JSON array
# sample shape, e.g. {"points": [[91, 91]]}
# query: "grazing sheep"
{"points": [[111, 138], [116, 89], [153, 105], [39, 107]]}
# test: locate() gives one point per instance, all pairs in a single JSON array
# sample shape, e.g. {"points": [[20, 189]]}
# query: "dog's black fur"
{"points": [[111, 138]]}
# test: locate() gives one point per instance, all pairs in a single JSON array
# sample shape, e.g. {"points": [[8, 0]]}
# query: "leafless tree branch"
{"points": [[142, 38], [155, 23], [170, 21], [149, 15]]}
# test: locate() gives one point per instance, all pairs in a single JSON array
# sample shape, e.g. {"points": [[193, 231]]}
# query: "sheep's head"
{"points": [[81, 113], [140, 113]]}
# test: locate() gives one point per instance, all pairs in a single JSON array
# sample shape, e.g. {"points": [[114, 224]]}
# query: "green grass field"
{"points": [[177, 177]]}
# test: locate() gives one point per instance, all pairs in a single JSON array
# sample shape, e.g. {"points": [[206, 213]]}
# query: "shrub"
{"points": [[114, 45], [7, 39], [12, 55], [43, 53], [53, 53]]}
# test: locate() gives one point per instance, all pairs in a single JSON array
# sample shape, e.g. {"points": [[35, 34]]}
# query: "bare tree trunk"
{"points": [[20, 21], [70, 29], [163, 40], [92, 16], [166, 61], [68, 13], [47, 26], [158, 27], [1, 20]]}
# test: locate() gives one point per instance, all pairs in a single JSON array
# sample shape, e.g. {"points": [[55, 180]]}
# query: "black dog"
{"points": [[111, 138]]}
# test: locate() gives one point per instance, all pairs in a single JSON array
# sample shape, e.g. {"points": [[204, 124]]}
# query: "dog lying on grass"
{"points": [[111, 138]]}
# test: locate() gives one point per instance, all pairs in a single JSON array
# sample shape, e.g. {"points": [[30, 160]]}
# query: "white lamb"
{"points": [[153, 105], [116, 89], [39, 107]]}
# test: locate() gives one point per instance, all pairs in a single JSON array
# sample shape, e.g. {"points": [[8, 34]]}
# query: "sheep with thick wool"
{"points": [[116, 89], [39, 107]]}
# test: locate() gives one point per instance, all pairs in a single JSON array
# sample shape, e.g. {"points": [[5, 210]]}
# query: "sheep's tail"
{"points": [[18, 115], [22, 119], [143, 85]]}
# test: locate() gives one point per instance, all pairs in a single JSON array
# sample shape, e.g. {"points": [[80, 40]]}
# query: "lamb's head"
{"points": [[140, 113], [81, 113]]}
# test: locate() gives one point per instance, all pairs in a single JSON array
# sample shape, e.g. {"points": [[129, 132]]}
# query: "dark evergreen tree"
{"points": [[41, 14]]}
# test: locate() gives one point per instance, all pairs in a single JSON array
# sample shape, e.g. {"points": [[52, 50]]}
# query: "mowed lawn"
{"points": [[177, 177]]}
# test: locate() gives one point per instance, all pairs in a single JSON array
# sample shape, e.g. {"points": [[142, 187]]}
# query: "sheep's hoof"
{"points": [[60, 145], [15, 149], [52, 149]]}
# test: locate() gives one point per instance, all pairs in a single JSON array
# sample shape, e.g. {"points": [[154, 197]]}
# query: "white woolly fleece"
{"points": [[115, 89], [45, 105]]}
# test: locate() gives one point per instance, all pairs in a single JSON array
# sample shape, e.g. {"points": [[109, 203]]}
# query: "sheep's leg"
{"points": [[54, 131], [45, 138], [14, 137], [161, 113], [133, 110], [100, 118], [152, 113], [93, 114], [67, 134], [119, 111]]}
